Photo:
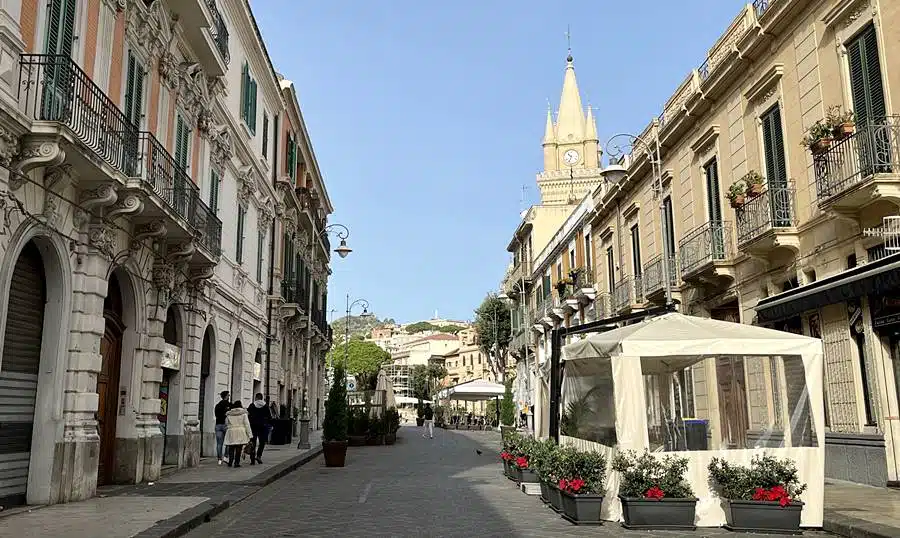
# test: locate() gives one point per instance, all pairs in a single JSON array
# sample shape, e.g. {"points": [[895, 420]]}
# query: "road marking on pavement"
{"points": [[365, 493]]}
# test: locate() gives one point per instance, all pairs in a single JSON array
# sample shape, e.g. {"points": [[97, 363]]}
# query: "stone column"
{"points": [[75, 464], [193, 349]]}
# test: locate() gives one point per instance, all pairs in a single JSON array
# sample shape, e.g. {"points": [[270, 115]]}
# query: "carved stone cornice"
{"points": [[194, 90], [130, 204], [163, 276], [9, 147], [246, 185], [239, 278], [102, 238], [266, 216], [153, 229], [221, 147], [34, 154], [181, 253], [151, 28]]}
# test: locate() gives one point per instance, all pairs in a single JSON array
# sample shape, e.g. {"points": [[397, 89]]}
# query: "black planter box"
{"points": [[663, 514], [763, 516], [527, 476], [545, 491], [582, 509], [514, 472], [506, 470], [357, 440], [556, 502]]}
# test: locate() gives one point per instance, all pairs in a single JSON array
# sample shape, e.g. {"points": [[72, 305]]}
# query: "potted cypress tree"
{"points": [[582, 485], [654, 491], [507, 411], [334, 427], [759, 498]]}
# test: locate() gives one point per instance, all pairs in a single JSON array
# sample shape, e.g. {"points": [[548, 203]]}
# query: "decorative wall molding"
{"points": [[246, 186], [35, 153], [221, 147], [766, 86]]}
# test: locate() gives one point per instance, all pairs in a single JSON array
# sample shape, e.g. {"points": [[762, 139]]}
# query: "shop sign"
{"points": [[885, 310], [171, 358], [257, 371]]}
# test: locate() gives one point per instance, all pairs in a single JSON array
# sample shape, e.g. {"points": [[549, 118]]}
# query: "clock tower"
{"points": [[571, 149]]}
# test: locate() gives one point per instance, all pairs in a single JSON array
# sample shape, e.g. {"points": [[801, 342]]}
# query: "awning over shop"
{"points": [[878, 277]]}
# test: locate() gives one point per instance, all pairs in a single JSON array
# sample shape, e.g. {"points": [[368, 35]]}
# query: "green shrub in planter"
{"points": [[654, 491], [760, 497], [582, 485]]}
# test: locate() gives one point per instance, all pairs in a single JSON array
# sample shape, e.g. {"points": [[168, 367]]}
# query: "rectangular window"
{"points": [[610, 269], [134, 91], [60, 27], [214, 182], [292, 158], [773, 147], [546, 285], [559, 271], [714, 204], [265, 134], [182, 143], [239, 250], [865, 78], [261, 240], [636, 251], [248, 99], [588, 259], [572, 259], [669, 221]]}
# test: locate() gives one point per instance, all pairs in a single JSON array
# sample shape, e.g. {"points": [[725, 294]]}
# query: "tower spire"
{"points": [[570, 120], [549, 130], [590, 126]]}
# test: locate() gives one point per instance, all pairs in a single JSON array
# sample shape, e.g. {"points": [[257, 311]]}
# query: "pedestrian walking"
{"points": [[220, 410], [237, 433], [429, 421], [260, 416]]}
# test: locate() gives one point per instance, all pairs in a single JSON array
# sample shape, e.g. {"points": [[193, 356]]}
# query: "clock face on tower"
{"points": [[571, 157]]}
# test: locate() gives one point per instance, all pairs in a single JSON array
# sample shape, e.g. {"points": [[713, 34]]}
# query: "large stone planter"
{"points": [[662, 514], [357, 440], [335, 453], [582, 509], [763, 516], [555, 495], [514, 472]]}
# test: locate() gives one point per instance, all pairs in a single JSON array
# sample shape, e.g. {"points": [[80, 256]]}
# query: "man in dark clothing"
{"points": [[429, 420], [260, 416], [221, 408]]}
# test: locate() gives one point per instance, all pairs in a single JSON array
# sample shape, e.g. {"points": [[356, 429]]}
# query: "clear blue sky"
{"points": [[427, 118]]}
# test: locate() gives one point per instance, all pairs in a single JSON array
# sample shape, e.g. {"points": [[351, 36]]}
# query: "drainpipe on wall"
{"points": [[269, 335]]}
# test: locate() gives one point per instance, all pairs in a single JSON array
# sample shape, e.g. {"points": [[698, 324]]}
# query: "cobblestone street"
{"points": [[418, 487]]}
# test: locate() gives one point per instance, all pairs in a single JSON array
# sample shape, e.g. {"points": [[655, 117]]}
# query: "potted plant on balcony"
{"points": [[818, 137], [737, 194], [754, 183], [842, 123], [582, 485], [562, 284], [334, 427], [654, 491], [761, 497]]}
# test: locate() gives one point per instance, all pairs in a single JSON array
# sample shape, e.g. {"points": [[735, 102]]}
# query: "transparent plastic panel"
{"points": [[588, 404]]}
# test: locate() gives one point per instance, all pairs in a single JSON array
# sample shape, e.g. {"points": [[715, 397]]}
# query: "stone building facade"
{"points": [[811, 248], [153, 161]]}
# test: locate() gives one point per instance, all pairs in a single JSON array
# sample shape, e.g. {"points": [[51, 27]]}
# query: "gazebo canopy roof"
{"points": [[473, 391], [684, 338]]}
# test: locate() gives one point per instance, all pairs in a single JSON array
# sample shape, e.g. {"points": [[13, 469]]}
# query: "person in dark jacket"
{"points": [[220, 410], [429, 421], [260, 417]]}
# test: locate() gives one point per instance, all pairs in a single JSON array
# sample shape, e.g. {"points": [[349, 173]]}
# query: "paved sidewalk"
{"points": [[858, 511], [169, 507]]}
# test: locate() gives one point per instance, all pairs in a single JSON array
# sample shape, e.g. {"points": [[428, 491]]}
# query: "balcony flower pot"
{"points": [[738, 201], [659, 514], [821, 145], [754, 189], [335, 453], [763, 516], [582, 509], [844, 130]]}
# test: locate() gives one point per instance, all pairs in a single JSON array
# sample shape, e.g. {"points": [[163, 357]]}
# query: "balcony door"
{"points": [[58, 69], [134, 115], [714, 207], [780, 202], [873, 129]]}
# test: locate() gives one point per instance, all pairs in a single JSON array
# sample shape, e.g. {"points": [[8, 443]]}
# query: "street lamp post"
{"points": [[617, 172], [365, 313]]}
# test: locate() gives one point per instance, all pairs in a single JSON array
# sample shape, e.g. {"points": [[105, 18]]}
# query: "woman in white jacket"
{"points": [[237, 433]]}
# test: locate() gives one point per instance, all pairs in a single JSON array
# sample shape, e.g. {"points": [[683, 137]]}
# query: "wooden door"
{"points": [[107, 390]]}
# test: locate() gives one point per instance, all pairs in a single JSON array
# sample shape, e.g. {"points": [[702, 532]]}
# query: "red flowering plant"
{"points": [[646, 476], [767, 479], [581, 472]]}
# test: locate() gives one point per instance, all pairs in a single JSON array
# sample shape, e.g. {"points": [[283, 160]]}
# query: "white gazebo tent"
{"points": [[477, 390], [750, 390]]}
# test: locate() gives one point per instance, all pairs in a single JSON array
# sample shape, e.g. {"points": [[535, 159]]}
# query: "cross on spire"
{"points": [[569, 38]]}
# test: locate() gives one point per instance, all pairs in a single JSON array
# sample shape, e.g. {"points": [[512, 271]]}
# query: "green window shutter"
{"points": [[214, 193], [773, 140], [129, 87], [712, 192], [265, 134], [253, 109], [239, 250], [54, 18], [182, 144], [261, 239], [60, 27], [865, 78], [67, 29], [873, 77], [244, 90], [138, 102]]}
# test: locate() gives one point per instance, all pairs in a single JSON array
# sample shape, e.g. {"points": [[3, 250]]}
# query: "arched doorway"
{"points": [[207, 383], [108, 379], [237, 371], [169, 395], [19, 370]]}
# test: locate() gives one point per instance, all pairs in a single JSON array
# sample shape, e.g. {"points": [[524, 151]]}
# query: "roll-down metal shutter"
{"points": [[19, 373]]}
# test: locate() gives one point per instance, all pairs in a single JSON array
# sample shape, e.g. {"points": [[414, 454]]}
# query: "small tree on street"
{"points": [[334, 427], [364, 360], [507, 407], [492, 325]]}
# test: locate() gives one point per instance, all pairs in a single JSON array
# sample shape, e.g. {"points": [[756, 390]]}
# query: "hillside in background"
{"points": [[359, 325]]}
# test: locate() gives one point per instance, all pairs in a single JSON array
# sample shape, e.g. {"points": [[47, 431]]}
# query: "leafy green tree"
{"points": [[420, 327], [425, 380], [363, 359], [334, 427], [492, 325], [507, 407], [451, 329]]}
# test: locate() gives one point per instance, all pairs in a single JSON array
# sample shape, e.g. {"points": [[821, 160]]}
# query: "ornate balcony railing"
{"points": [[760, 6], [774, 208], [603, 306], [710, 242], [726, 44], [873, 149], [207, 225], [623, 293], [219, 31], [54, 88], [653, 274], [158, 170], [585, 278]]}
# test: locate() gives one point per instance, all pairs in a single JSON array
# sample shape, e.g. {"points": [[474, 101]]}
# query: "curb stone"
{"points": [[192, 518], [852, 527]]}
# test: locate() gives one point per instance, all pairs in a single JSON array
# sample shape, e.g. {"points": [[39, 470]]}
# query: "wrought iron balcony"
{"points": [[653, 275], [760, 6], [627, 292], [53, 88], [219, 31], [603, 306], [294, 291], [849, 164], [704, 245], [207, 225], [773, 209]]}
